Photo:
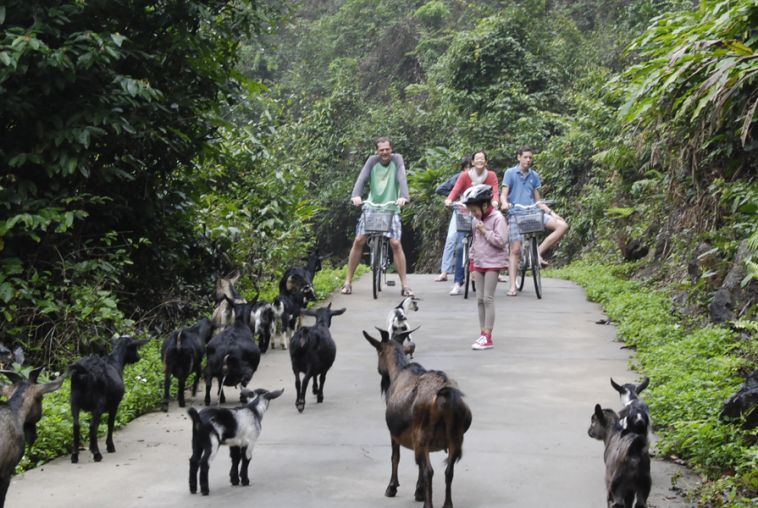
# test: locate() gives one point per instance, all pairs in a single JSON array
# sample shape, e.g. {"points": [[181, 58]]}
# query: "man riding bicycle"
{"points": [[385, 173], [521, 186]]}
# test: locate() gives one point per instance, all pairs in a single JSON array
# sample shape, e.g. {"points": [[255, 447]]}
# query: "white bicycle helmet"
{"points": [[477, 195]]}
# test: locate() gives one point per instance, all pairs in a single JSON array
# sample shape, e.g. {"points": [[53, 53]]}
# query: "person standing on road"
{"points": [[488, 255], [448, 254], [385, 174], [521, 186], [478, 174]]}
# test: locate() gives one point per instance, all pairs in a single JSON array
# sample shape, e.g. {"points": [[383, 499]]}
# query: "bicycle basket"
{"points": [[463, 222], [530, 222], [377, 221]]}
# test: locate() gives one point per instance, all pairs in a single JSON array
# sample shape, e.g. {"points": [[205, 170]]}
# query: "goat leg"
{"points": [[166, 388], [394, 484], [234, 453], [77, 433], [4, 484], [194, 464], [204, 467], [315, 385], [320, 394], [426, 473], [181, 381], [208, 383], [109, 440], [300, 404], [198, 373], [93, 425], [245, 465], [449, 473]]}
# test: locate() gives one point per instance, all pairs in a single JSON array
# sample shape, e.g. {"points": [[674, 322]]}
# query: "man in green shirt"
{"points": [[385, 173]]}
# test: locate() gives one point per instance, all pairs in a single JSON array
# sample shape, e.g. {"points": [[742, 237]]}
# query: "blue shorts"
{"points": [[514, 235], [396, 228]]}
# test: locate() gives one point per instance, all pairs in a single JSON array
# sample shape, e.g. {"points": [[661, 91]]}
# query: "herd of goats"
{"points": [[425, 410]]}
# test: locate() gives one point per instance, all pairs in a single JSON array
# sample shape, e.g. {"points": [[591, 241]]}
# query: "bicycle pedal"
{"points": [[390, 282]]}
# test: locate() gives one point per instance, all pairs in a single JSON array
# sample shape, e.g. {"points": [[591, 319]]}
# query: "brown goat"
{"points": [[425, 413]]}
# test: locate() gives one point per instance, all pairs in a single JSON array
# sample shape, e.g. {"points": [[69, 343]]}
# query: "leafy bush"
{"points": [[693, 370]]}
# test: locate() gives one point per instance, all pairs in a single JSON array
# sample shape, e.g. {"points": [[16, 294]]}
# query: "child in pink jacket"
{"points": [[488, 254]]}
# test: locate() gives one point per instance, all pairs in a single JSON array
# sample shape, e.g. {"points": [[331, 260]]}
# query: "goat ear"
{"points": [[617, 387], [139, 343], [372, 341], [401, 336], [308, 312], [53, 385], [643, 384], [273, 395], [338, 311], [329, 306], [599, 413], [34, 374], [384, 333], [15, 377]]}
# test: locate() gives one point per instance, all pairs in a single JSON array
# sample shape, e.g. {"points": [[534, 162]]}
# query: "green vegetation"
{"points": [[693, 368], [146, 148]]}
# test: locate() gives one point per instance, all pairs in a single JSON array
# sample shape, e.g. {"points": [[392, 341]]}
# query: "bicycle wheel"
{"points": [[536, 268], [376, 264], [383, 263], [523, 266], [467, 281]]}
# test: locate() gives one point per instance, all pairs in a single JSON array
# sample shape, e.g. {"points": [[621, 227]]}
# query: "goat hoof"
{"points": [[320, 399], [245, 482], [235, 481], [181, 404], [98, 457], [391, 491], [164, 408], [300, 406], [74, 459], [111, 449], [205, 492]]}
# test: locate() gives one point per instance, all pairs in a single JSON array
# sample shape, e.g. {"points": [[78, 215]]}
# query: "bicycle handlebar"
{"points": [[527, 207], [378, 205]]}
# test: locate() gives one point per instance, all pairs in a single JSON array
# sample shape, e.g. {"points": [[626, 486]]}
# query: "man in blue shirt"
{"points": [[521, 186]]}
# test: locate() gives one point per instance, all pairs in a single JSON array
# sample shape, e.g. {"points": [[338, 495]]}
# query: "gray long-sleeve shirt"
{"points": [[365, 174]]}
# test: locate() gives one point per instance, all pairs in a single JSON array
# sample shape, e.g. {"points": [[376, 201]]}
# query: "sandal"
{"points": [[441, 278], [512, 292], [347, 289], [406, 291]]}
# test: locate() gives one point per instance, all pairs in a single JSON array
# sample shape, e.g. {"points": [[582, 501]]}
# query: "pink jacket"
{"points": [[490, 250]]}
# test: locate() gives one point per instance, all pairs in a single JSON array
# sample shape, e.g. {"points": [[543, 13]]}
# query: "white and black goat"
{"points": [[627, 460], [635, 414], [18, 420], [397, 322], [312, 353], [264, 319], [97, 386], [182, 353], [287, 309], [232, 355], [236, 428]]}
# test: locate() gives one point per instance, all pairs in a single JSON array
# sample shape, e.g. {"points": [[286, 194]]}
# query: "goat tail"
{"points": [[195, 416], [457, 418]]}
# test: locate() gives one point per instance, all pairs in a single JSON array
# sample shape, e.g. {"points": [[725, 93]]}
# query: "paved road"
{"points": [[531, 398]]}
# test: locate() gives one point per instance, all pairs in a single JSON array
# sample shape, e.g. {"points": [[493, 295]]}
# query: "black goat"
{"points": [[294, 279], [312, 352], [237, 428], [182, 354], [18, 420], [232, 355], [97, 386], [627, 460], [287, 309], [425, 412]]}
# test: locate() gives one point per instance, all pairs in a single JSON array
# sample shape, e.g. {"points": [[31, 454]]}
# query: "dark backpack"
{"points": [[445, 188]]}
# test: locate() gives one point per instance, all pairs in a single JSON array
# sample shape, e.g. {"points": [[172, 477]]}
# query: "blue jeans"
{"points": [[448, 255], [459, 268]]}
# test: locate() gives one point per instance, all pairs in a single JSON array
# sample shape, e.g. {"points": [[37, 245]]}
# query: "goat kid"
{"points": [[425, 413], [232, 355], [312, 353], [236, 428], [264, 329], [18, 420], [287, 309], [635, 414], [97, 386], [182, 353], [627, 460], [397, 322]]}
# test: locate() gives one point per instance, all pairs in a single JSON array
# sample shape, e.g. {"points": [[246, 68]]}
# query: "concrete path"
{"points": [[531, 397]]}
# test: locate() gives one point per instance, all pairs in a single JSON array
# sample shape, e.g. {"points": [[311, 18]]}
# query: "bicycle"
{"points": [[377, 221], [463, 224], [530, 224]]}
